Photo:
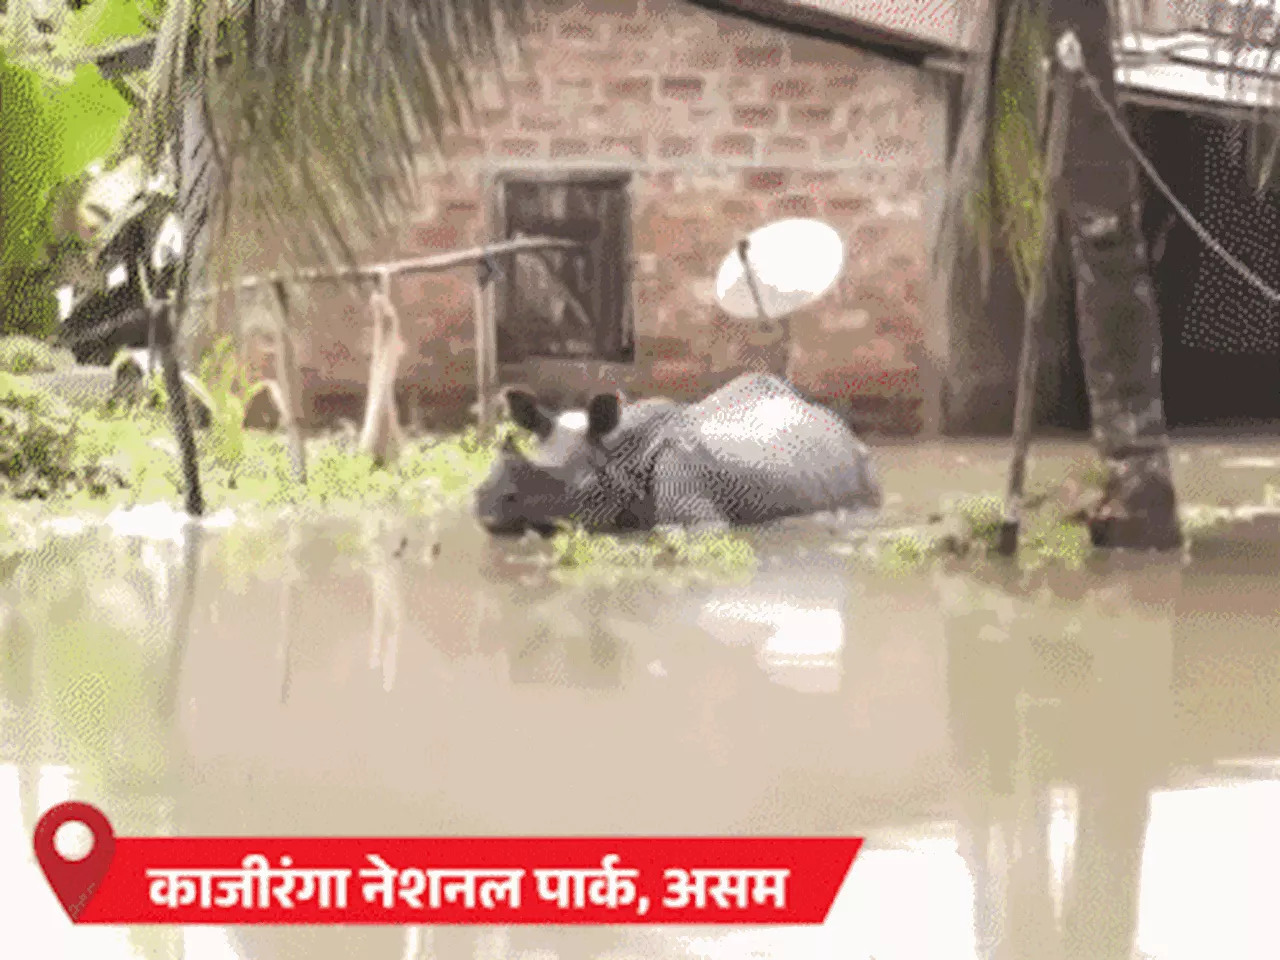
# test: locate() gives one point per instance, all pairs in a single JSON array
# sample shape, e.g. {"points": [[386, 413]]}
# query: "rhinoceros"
{"points": [[752, 452]]}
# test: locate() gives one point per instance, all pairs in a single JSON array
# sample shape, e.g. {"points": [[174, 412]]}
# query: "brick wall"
{"points": [[726, 126]]}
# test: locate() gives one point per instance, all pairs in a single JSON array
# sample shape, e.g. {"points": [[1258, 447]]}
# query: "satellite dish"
{"points": [[779, 269]]}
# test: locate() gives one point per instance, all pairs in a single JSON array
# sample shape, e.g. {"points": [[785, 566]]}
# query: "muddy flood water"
{"points": [[1086, 766]]}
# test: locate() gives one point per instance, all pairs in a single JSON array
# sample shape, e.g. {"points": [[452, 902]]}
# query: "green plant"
{"points": [[22, 354], [57, 116], [223, 387], [37, 441], [1008, 207], [707, 554]]}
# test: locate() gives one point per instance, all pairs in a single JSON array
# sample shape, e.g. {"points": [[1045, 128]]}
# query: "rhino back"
{"points": [[768, 453]]}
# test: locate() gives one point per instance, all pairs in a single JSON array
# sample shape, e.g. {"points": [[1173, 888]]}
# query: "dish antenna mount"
{"points": [[778, 269]]}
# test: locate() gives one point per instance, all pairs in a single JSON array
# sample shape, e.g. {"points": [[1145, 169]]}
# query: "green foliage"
{"points": [[906, 551], [711, 554], [223, 387], [37, 441], [1049, 535], [1009, 207], [55, 119], [23, 355]]}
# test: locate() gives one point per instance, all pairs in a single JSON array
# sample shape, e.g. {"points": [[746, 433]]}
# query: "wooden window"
{"points": [[565, 304]]}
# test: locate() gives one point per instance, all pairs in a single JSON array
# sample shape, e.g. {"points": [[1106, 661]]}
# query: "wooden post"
{"points": [[752, 282], [1067, 69], [484, 279]]}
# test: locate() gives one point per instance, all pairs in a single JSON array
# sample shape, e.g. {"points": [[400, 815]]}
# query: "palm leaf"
{"points": [[995, 191], [320, 112]]}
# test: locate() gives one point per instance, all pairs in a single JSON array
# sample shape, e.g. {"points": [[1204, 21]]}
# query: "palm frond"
{"points": [[321, 111], [995, 183]]}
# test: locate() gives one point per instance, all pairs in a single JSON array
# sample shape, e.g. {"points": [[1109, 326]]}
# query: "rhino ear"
{"points": [[525, 412], [603, 414]]}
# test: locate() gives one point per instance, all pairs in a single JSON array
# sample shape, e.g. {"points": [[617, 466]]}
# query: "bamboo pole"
{"points": [[431, 264], [1069, 62]]}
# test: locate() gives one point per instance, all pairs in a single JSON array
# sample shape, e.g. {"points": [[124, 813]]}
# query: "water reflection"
{"points": [[1073, 769]]}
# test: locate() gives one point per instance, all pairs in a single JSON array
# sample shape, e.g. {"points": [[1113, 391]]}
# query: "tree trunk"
{"points": [[1119, 325], [198, 180]]}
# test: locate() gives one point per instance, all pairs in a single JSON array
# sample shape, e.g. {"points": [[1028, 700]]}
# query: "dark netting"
{"points": [[1226, 314]]}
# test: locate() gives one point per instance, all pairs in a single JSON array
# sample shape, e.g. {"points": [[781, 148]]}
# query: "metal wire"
{"points": [[1269, 292]]}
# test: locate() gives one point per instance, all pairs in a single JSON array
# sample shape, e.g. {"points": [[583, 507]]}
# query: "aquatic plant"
{"points": [[1052, 535], [715, 554], [905, 551]]}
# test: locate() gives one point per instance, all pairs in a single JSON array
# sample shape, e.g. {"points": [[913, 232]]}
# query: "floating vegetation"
{"points": [[1051, 534], [713, 554]]}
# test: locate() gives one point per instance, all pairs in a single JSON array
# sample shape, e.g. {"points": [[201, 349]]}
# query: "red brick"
{"points": [[755, 117], [734, 145], [892, 148], [709, 56], [810, 118], [576, 30], [659, 181], [847, 206], [630, 146], [838, 146], [461, 208], [540, 120], [740, 209], [764, 181], [569, 147], [792, 88], [460, 145], [788, 147], [843, 83], [434, 236], [758, 57], [683, 88], [676, 147], [527, 88], [634, 28], [794, 205], [518, 147], [744, 88], [677, 378], [629, 88], [575, 89], [818, 179]]}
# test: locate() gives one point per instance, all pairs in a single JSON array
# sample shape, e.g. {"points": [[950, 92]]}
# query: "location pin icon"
{"points": [[74, 882]]}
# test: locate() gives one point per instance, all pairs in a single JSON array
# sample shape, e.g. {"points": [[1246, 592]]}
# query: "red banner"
{"points": [[447, 880]]}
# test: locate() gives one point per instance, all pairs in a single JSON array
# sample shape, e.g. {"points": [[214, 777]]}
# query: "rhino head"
{"points": [[560, 479]]}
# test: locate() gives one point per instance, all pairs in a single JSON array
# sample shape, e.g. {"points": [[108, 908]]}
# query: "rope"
{"points": [[1269, 292]]}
